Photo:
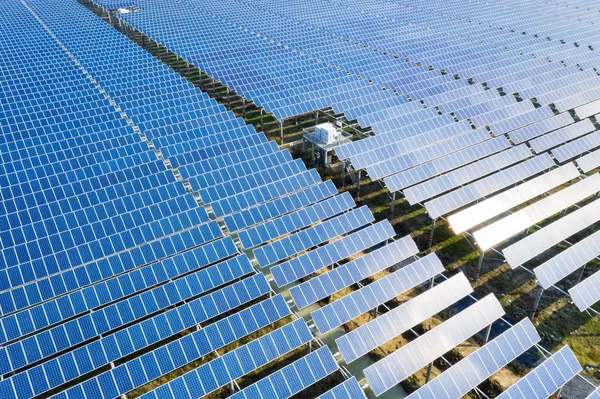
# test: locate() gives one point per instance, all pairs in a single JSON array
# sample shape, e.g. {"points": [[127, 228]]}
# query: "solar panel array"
{"points": [[106, 257], [475, 368], [114, 274], [546, 378]]}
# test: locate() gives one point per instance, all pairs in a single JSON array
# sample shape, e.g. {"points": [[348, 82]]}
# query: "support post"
{"points": [[316, 117], [343, 174], [281, 124], [358, 185], [228, 98], [261, 120], [431, 233], [488, 330], [479, 264], [428, 377], [393, 202], [312, 152], [536, 302], [243, 106], [581, 274]]}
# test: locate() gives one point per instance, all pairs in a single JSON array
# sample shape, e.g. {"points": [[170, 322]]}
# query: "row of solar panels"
{"points": [[346, 309], [323, 87], [210, 376], [94, 272]]}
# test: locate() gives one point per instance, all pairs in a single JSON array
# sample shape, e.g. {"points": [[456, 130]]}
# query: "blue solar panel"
{"points": [[325, 284], [372, 295], [546, 378], [115, 346], [348, 389], [313, 236], [304, 217], [272, 209], [293, 378], [235, 364], [307, 263]]}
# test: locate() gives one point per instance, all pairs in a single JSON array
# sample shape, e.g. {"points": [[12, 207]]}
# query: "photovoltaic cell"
{"points": [[348, 389], [293, 378], [326, 255], [546, 378], [471, 371], [378, 292], [569, 260], [552, 234], [485, 210], [401, 364], [313, 236], [343, 276], [382, 329], [586, 293], [480, 189], [503, 229]]}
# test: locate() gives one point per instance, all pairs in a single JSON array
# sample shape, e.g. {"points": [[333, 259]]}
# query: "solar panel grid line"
{"points": [[426, 154], [349, 389], [390, 146], [104, 320], [111, 347], [557, 137], [569, 260], [503, 229], [286, 204], [293, 378], [446, 163], [545, 238], [297, 220], [483, 188], [589, 162], [260, 178], [266, 193], [577, 147], [190, 348], [376, 293], [326, 255], [463, 175], [546, 378], [319, 287], [19, 297], [472, 370], [586, 293], [402, 363], [386, 327], [58, 309], [304, 239], [485, 210], [238, 362]]}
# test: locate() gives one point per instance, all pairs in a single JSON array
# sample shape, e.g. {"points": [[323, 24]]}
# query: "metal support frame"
{"points": [[428, 377], [281, 126], [393, 206], [358, 184], [581, 274], [479, 264], [536, 301], [486, 338], [262, 110], [431, 233]]}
